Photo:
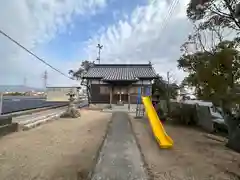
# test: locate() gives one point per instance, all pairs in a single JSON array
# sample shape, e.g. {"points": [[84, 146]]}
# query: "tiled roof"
{"points": [[127, 72], [121, 71]]}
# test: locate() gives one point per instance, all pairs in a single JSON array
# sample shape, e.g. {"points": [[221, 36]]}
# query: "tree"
{"points": [[213, 65], [222, 13], [166, 90], [162, 87], [215, 74], [78, 75]]}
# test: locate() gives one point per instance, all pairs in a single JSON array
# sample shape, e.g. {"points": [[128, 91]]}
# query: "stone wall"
{"points": [[233, 141], [204, 119], [6, 125], [192, 114]]}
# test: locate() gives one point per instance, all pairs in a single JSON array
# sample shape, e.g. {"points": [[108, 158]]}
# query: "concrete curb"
{"points": [[32, 124], [28, 126], [147, 168], [31, 111], [96, 157], [36, 119]]}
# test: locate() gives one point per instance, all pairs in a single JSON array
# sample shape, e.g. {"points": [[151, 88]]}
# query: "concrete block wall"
{"points": [[9, 128], [6, 125]]}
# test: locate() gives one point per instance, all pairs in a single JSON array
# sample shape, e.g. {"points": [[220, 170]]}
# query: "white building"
{"points": [[60, 93]]}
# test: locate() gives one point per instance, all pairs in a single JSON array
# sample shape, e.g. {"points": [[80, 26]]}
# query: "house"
{"points": [[59, 93], [119, 83]]}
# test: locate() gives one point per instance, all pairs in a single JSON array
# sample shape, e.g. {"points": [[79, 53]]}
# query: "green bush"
{"points": [[183, 113]]}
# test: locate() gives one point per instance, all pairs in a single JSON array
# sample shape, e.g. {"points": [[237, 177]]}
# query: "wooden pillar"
{"points": [[129, 97], [111, 89]]}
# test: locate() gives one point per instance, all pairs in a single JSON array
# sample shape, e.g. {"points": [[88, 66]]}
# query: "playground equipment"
{"points": [[159, 132], [140, 107]]}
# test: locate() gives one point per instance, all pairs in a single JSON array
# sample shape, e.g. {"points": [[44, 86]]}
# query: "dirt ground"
{"points": [[194, 156], [58, 150]]}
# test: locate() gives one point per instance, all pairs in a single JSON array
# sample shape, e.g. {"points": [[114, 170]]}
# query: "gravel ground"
{"points": [[194, 157], [63, 149]]}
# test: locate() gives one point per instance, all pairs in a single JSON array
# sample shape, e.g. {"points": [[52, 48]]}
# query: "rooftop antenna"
{"points": [[99, 46]]}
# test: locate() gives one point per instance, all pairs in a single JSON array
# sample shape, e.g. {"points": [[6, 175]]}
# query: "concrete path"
{"points": [[120, 158]]}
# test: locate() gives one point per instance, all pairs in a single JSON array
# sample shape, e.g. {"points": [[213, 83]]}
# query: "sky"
{"points": [[66, 32]]}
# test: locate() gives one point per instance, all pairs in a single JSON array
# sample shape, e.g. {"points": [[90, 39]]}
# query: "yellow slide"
{"points": [[159, 132]]}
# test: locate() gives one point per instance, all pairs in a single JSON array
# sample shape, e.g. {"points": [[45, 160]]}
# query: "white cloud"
{"points": [[31, 22], [136, 38], [141, 37]]}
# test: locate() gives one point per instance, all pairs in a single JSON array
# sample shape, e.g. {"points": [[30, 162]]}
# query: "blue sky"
{"points": [[65, 32], [70, 44]]}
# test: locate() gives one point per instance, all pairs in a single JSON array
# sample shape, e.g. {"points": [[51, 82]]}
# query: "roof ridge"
{"points": [[125, 65], [121, 71]]}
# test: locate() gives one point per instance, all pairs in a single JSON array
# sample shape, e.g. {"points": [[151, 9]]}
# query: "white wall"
{"points": [[59, 93], [144, 82]]}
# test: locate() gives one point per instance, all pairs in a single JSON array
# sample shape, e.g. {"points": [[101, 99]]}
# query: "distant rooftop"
{"points": [[122, 72]]}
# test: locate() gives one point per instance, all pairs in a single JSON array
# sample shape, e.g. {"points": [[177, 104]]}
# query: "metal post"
{"points": [[138, 110], [129, 99], [139, 95]]}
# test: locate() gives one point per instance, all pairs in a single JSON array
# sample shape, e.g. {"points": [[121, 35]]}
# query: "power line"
{"points": [[171, 8], [40, 59]]}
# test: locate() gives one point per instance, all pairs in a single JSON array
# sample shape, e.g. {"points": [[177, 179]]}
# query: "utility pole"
{"points": [[237, 11], [168, 81], [99, 46], [45, 77], [1, 102], [168, 94], [25, 81]]}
